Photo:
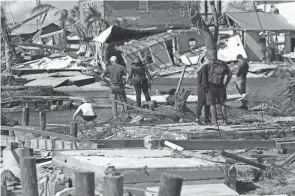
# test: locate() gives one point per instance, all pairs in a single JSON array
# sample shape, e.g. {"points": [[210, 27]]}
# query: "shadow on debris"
{"points": [[244, 187]]}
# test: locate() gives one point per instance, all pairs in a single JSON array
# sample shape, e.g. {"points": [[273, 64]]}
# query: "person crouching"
{"points": [[85, 111]]}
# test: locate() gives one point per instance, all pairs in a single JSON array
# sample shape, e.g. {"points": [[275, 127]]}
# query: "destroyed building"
{"points": [[259, 30]]}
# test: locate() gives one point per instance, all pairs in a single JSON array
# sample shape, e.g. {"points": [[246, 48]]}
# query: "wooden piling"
{"points": [[29, 176], [26, 115], [74, 129], [84, 184], [4, 191], [113, 185], [170, 185], [42, 117]]}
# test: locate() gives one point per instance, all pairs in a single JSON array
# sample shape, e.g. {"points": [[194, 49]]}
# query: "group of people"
{"points": [[211, 87], [138, 76]]}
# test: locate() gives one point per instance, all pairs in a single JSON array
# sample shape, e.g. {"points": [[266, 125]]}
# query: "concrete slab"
{"points": [[139, 165], [81, 80], [47, 81], [204, 190], [97, 86], [71, 88]]}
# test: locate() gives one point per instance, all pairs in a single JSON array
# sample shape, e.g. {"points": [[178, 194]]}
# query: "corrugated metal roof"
{"points": [[137, 45], [269, 21]]}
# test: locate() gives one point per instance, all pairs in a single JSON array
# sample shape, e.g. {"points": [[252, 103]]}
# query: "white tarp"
{"points": [[234, 46], [103, 37], [66, 62]]}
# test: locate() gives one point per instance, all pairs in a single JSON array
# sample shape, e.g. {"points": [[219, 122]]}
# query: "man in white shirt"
{"points": [[85, 110]]}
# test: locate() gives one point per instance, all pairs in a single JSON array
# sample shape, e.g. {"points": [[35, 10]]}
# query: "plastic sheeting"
{"points": [[234, 46], [61, 63]]}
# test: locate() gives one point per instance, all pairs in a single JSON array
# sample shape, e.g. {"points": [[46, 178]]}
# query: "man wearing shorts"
{"points": [[217, 70], [202, 88], [117, 88], [85, 111]]}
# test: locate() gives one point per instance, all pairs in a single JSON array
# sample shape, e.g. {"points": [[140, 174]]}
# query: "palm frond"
{"points": [[42, 7], [57, 13]]}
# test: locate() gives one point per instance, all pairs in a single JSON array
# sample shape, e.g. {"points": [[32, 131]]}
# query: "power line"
{"points": [[258, 16]]}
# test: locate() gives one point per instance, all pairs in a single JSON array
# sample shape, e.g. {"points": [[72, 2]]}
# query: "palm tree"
{"points": [[9, 50], [94, 19], [244, 5]]}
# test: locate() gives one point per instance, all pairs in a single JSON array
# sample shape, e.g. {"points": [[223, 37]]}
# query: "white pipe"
{"points": [[173, 146]]}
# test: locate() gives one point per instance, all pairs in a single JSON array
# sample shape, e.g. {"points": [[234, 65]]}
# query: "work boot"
{"points": [[198, 122], [243, 108], [208, 122]]}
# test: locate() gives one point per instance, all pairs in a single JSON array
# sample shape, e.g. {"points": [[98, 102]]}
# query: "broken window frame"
{"points": [[192, 40], [146, 56]]}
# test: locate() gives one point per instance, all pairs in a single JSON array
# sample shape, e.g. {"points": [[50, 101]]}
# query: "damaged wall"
{"points": [[290, 42], [254, 48], [186, 37]]}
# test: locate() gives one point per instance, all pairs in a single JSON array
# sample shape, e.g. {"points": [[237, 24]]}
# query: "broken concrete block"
{"points": [[150, 142]]}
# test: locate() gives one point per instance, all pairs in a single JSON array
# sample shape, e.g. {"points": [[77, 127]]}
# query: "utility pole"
{"points": [[81, 9]]}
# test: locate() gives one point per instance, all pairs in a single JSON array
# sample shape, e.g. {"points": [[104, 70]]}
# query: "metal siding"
{"points": [[250, 22]]}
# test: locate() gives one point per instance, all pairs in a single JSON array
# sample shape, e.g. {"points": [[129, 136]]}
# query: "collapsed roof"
{"points": [[117, 34], [137, 45], [259, 21]]}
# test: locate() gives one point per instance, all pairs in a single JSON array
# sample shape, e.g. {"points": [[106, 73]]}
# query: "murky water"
{"points": [[256, 87]]}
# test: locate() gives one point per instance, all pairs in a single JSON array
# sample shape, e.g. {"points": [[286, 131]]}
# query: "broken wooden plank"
{"points": [[191, 144], [44, 133], [57, 145], [286, 145], [204, 190], [223, 144], [243, 160]]}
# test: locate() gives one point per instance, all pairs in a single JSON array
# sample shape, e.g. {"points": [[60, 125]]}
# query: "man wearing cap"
{"points": [[140, 78], [85, 110], [241, 80], [116, 73]]}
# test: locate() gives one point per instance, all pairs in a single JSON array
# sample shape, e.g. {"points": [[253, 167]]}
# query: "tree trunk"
{"points": [[9, 50], [180, 101], [210, 38], [7, 58]]}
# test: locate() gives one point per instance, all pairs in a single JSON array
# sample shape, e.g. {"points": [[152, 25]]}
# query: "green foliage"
{"points": [[244, 5]]}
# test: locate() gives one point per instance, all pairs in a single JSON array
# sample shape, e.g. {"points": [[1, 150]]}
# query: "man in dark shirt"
{"points": [[116, 73], [241, 81], [217, 95], [202, 89]]}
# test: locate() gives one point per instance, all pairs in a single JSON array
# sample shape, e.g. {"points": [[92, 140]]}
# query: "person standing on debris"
{"points": [[241, 80], [117, 84], [202, 88], [141, 79], [217, 70], [85, 111]]}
